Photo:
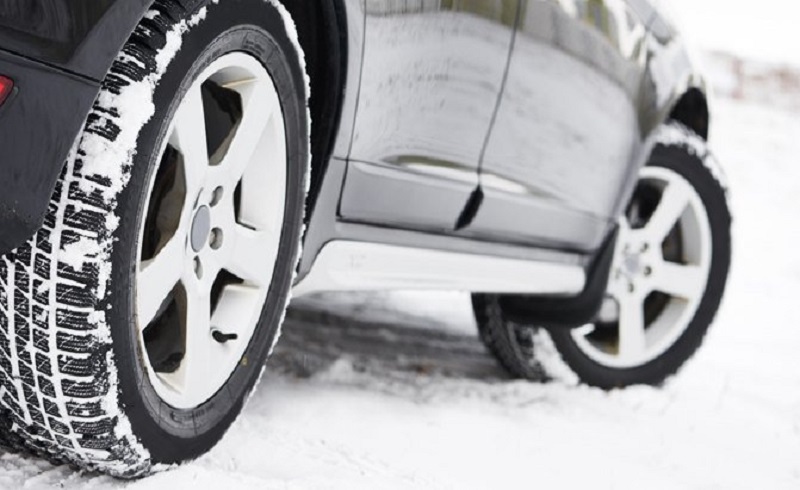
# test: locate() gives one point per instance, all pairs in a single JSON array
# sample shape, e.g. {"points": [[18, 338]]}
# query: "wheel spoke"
{"points": [[250, 255], [632, 339], [237, 306], [683, 281], [195, 369], [156, 279], [189, 138], [260, 104], [673, 202]]}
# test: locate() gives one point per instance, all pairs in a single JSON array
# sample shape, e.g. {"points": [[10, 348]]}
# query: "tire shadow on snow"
{"points": [[315, 337]]}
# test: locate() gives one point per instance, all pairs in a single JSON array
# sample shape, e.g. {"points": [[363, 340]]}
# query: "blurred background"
{"points": [[751, 50], [764, 30]]}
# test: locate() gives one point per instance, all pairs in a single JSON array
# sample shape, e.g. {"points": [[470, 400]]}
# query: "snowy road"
{"points": [[396, 392]]}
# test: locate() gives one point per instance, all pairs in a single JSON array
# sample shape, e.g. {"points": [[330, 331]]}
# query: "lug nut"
{"points": [[198, 268], [215, 238], [216, 196]]}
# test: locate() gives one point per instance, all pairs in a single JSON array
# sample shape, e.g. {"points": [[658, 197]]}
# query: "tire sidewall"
{"points": [[170, 434], [689, 165]]}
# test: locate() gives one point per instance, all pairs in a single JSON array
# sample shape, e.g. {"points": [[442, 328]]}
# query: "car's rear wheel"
{"points": [[138, 320], [667, 278]]}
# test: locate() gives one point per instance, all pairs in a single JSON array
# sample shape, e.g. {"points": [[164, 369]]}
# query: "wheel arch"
{"points": [[322, 31], [42, 73], [691, 110]]}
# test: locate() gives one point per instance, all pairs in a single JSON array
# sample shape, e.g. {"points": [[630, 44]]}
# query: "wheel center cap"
{"points": [[632, 264], [201, 227]]}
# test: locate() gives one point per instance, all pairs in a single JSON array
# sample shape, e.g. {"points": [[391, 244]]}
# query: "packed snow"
{"points": [[395, 390]]}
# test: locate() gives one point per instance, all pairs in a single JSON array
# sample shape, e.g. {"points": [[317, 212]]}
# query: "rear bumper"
{"points": [[38, 125]]}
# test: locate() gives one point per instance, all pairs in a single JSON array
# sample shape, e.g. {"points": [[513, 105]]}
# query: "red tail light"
{"points": [[6, 85]]}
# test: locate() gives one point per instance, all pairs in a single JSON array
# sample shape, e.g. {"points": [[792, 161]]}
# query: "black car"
{"points": [[164, 162]]}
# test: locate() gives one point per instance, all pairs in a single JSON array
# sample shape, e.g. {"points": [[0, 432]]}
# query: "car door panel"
{"points": [[431, 79], [387, 195], [567, 129]]}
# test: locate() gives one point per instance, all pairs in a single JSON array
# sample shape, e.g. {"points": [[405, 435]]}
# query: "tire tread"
{"points": [[55, 369]]}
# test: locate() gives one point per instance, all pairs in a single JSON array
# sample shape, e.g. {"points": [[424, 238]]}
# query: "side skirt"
{"points": [[351, 266]]}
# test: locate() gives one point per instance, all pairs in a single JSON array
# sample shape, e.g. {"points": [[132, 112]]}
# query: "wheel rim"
{"points": [[659, 274], [208, 245]]}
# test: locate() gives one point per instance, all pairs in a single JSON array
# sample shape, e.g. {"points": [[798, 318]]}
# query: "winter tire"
{"points": [[666, 283], [136, 322]]}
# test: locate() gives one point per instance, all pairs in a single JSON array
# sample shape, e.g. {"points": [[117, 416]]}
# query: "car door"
{"points": [[567, 131], [431, 80]]}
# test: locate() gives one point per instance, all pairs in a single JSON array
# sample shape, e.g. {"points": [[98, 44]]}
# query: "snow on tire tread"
{"points": [[58, 383]]}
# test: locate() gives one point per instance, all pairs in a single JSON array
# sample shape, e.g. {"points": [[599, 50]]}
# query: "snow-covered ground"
{"points": [[395, 391]]}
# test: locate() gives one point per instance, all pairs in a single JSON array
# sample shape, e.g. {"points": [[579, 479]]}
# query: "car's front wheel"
{"points": [[137, 321], [666, 282]]}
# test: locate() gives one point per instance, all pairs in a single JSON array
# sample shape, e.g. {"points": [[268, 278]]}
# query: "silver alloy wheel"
{"points": [[641, 270], [217, 230]]}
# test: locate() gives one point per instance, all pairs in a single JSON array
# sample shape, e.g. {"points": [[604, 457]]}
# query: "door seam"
{"points": [[500, 94]]}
